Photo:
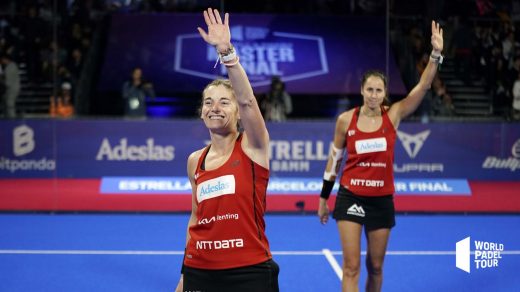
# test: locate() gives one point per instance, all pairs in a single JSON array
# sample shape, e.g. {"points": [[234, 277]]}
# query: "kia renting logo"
{"points": [[125, 152], [224, 217], [487, 254], [23, 144]]}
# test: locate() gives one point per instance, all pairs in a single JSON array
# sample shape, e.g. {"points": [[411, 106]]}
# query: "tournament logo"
{"points": [[486, 254], [263, 54]]}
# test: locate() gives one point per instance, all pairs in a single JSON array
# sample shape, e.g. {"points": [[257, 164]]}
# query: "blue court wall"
{"points": [[115, 157]]}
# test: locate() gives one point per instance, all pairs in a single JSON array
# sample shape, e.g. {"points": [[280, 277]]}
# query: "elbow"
{"points": [[246, 102]]}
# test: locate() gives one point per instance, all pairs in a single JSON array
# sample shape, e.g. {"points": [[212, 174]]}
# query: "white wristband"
{"points": [[230, 55], [437, 58]]}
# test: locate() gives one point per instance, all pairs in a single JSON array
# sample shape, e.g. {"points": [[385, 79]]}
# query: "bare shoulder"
{"points": [[393, 113], [345, 118], [195, 155], [192, 161]]}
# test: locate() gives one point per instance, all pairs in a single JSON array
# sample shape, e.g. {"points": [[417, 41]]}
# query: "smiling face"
{"points": [[219, 108], [373, 91]]}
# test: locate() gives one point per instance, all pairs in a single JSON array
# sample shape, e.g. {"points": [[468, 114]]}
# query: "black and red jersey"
{"points": [[370, 158], [231, 202]]}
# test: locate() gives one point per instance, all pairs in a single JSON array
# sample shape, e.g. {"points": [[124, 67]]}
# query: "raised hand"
{"points": [[218, 34], [437, 40]]}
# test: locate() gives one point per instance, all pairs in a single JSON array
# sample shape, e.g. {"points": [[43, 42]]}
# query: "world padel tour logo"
{"points": [[263, 53], [486, 254]]}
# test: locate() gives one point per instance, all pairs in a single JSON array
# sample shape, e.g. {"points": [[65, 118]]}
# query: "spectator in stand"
{"points": [[134, 94], [52, 58], [33, 29], [277, 104], [61, 106], [442, 101], [12, 85], [463, 43], [425, 108], [75, 64], [516, 99]]}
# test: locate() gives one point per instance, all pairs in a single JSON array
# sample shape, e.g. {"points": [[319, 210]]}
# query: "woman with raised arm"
{"points": [[226, 246], [365, 196]]}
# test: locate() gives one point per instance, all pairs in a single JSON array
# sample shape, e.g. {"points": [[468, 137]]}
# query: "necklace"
{"points": [[370, 115]]}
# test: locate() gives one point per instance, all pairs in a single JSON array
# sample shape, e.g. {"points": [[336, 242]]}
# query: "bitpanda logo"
{"points": [[125, 152], [23, 144]]}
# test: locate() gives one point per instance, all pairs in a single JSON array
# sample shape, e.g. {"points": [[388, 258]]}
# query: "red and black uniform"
{"points": [[367, 181], [230, 230]]}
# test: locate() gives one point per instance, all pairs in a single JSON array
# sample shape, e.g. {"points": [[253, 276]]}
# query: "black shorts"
{"points": [[373, 212], [262, 277]]}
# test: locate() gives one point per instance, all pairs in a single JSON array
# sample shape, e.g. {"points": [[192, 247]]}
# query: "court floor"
{"points": [[143, 252]]}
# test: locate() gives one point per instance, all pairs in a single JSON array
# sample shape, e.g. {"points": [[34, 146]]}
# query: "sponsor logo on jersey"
{"points": [[215, 218], [371, 145], [220, 244], [367, 182], [220, 186]]}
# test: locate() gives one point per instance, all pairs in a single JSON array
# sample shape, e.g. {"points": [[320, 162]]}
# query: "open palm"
{"points": [[218, 34], [437, 40]]}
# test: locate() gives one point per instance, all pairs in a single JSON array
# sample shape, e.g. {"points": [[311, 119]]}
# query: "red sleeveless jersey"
{"points": [[231, 202], [370, 158]]}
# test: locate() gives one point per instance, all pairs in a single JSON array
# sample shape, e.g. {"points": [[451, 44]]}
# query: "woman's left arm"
{"points": [[219, 36], [409, 104]]}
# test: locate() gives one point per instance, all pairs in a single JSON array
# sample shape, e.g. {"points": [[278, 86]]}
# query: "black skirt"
{"points": [[372, 212]]}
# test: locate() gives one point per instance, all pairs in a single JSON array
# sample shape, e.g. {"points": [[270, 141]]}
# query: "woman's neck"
{"points": [[220, 142], [371, 113]]}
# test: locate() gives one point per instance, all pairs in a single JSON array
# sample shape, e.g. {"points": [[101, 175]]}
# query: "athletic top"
{"points": [[370, 158], [230, 227]]}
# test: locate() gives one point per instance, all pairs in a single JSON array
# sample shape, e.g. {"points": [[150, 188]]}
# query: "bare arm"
{"points": [[333, 163], [192, 165], [339, 144], [219, 36], [409, 104]]}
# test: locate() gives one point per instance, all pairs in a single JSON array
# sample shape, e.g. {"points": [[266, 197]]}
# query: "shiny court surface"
{"points": [[143, 252]]}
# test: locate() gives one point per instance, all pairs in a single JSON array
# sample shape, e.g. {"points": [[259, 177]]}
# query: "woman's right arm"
{"points": [[192, 165], [333, 164]]}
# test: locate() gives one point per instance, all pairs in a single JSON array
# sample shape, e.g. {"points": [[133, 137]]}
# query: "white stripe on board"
{"points": [[175, 252], [333, 263]]}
